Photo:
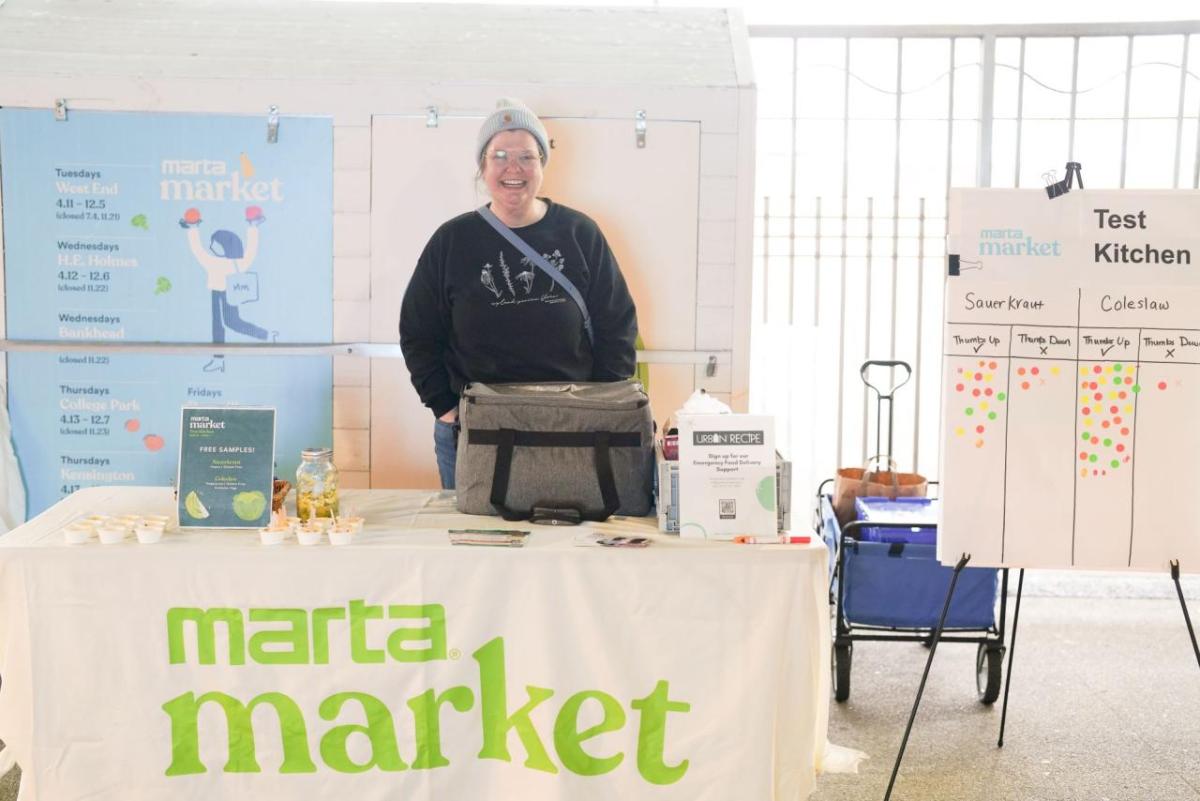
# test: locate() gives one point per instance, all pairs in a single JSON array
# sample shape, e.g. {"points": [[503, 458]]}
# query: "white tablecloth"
{"points": [[685, 670]]}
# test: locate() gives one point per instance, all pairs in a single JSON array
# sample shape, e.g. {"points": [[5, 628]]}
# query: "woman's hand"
{"points": [[450, 416]]}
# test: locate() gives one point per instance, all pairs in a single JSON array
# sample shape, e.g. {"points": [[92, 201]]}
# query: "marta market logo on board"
{"points": [[189, 180], [1014, 242], [301, 637]]}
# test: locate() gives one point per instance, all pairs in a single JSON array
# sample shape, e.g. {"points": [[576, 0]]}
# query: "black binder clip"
{"points": [[1058, 188]]}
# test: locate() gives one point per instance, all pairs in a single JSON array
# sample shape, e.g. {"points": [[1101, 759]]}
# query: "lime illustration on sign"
{"points": [[226, 466], [144, 227]]}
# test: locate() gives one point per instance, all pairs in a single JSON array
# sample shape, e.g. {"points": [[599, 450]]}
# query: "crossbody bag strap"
{"points": [[555, 274]]}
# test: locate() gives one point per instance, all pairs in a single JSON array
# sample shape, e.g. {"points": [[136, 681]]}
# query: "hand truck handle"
{"points": [[866, 367]]}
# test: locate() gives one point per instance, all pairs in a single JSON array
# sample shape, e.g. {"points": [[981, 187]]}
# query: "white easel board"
{"points": [[1071, 380]]}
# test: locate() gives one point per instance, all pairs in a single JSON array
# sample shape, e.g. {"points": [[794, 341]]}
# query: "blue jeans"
{"points": [[445, 447], [225, 314]]}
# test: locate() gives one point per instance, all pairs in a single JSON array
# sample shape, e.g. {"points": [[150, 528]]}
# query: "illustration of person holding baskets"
{"points": [[224, 257]]}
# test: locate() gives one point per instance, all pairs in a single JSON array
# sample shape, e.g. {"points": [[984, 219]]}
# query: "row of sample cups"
{"points": [[112, 529]]}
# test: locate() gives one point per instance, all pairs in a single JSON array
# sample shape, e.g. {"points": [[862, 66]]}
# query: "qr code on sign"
{"points": [[728, 508]]}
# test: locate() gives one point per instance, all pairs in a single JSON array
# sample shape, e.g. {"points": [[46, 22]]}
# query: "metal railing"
{"points": [[847, 268]]}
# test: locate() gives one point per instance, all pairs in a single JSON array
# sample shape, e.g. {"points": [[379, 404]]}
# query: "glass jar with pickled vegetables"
{"points": [[316, 484]]}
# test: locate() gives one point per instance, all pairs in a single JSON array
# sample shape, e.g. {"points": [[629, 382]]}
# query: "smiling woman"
{"points": [[478, 309]]}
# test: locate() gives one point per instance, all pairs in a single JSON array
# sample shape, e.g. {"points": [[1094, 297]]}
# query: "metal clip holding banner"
{"points": [[431, 117], [1059, 188], [639, 127], [272, 124], [60, 109]]}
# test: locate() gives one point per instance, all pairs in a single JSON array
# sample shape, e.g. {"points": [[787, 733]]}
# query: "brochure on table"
{"points": [[226, 466], [726, 476]]}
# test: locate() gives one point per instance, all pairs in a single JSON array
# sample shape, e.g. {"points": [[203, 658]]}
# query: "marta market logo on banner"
{"points": [[298, 637], [1014, 242], [214, 180]]}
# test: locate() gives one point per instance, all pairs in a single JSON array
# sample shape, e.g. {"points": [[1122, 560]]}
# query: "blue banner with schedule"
{"points": [[167, 227], [125, 227]]}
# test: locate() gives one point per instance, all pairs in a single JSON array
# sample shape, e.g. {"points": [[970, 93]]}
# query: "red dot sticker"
{"points": [[979, 376], [975, 392], [1024, 385], [1128, 379], [1083, 456], [1162, 384], [1098, 396], [1120, 447], [988, 392], [991, 365], [978, 429], [1106, 424], [1087, 410], [1033, 370], [1020, 371], [1125, 432], [1095, 440], [959, 387], [1097, 369], [1113, 409], [1117, 421]]}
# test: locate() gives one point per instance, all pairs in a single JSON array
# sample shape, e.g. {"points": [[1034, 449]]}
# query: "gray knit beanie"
{"points": [[512, 115]]}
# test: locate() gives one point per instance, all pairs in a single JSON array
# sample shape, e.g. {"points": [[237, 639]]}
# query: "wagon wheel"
{"points": [[842, 656], [989, 661]]}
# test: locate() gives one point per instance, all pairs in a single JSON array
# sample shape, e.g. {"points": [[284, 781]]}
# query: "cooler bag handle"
{"points": [[505, 439]]}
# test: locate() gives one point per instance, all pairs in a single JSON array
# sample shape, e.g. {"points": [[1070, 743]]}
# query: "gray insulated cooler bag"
{"points": [[555, 453]]}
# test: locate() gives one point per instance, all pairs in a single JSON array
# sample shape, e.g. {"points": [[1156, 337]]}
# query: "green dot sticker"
{"points": [[1108, 443], [1092, 458], [1137, 387], [1115, 463], [1117, 367], [1086, 437], [1001, 396], [991, 415], [969, 411]]}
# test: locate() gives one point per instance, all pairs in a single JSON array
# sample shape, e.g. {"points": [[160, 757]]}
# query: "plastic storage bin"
{"points": [[913, 511]]}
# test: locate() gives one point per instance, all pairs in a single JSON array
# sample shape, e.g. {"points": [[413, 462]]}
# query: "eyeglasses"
{"points": [[525, 159]]}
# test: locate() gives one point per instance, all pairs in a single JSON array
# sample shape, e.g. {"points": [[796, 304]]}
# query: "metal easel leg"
{"points": [[1012, 648], [1186, 617], [937, 636]]}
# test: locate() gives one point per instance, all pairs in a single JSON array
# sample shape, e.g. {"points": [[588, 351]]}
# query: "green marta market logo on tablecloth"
{"points": [[226, 466], [301, 637]]}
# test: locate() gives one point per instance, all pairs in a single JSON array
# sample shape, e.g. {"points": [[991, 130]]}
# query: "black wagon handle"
{"points": [[867, 365]]}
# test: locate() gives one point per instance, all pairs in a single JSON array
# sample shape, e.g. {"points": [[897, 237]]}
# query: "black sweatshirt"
{"points": [[477, 310]]}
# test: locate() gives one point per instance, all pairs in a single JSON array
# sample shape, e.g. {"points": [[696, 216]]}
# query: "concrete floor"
{"points": [[1104, 706]]}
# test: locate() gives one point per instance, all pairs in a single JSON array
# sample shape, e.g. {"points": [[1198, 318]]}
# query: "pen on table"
{"points": [[782, 539]]}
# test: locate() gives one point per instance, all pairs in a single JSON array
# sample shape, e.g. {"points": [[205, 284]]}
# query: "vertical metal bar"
{"points": [[987, 92], [817, 266], [1183, 73], [1125, 112], [1074, 99], [920, 331], [866, 406], [792, 203], [1020, 113], [766, 283], [896, 203], [841, 365], [950, 122]]}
